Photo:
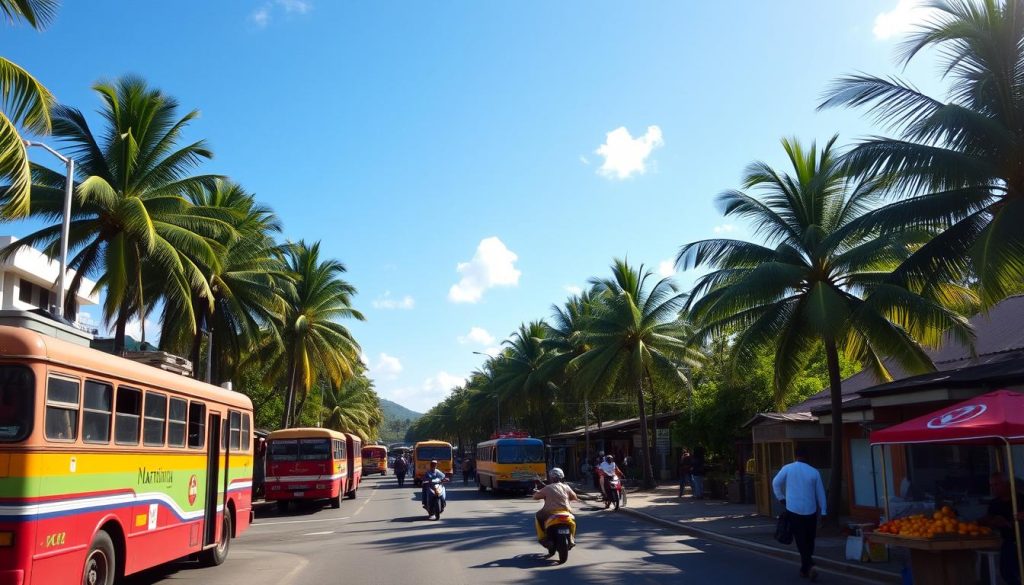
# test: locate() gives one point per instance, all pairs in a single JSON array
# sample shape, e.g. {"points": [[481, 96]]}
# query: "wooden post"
{"points": [[885, 484]]}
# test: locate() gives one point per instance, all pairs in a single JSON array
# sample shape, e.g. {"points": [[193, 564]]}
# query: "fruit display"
{"points": [[943, 523]]}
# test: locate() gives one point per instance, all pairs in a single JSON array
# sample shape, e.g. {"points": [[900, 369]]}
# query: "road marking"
{"points": [[319, 533], [261, 524], [366, 501]]}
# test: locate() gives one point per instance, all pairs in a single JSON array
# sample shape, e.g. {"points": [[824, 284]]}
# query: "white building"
{"points": [[28, 280]]}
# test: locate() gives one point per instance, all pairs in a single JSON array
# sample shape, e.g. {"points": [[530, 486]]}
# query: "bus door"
{"points": [[210, 525]]}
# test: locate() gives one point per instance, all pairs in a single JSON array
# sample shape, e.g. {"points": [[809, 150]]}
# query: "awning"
{"points": [[996, 418]]}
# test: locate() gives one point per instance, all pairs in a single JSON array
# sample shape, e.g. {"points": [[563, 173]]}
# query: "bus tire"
{"points": [[282, 506], [216, 555], [352, 494], [336, 502], [482, 487], [101, 562]]}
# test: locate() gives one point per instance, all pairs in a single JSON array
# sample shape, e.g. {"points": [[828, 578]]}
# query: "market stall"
{"points": [[941, 547]]}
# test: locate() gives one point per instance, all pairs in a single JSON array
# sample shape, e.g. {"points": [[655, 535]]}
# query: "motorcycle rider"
{"points": [[556, 495], [608, 468], [431, 474]]}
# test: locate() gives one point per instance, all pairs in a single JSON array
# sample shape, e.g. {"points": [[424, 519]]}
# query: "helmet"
{"points": [[609, 458], [433, 461], [556, 474]]}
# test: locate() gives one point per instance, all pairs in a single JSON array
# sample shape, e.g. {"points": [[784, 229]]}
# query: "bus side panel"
{"points": [[240, 490], [16, 561]]}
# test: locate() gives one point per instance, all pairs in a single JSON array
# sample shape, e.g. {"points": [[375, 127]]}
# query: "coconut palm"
{"points": [[129, 211], [634, 339], [247, 284], [310, 344], [23, 102], [353, 407], [518, 378], [820, 279], [956, 162]]}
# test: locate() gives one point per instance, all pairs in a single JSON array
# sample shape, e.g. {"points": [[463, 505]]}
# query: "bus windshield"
{"points": [[526, 453], [16, 398], [438, 452], [300, 449]]}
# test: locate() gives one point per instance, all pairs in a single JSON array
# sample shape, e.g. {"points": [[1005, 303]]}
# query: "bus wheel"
{"points": [[100, 563], [282, 506], [351, 495], [482, 487], [215, 556], [336, 502]]}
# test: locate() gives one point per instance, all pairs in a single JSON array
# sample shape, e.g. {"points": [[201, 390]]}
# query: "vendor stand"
{"points": [[995, 419]]}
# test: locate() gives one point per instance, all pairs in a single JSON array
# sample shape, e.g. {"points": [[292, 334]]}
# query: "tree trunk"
{"points": [[289, 396], [645, 459], [836, 394], [120, 324], [654, 423]]}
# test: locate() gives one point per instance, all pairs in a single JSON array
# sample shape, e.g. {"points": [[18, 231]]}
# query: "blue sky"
{"points": [[471, 162]]}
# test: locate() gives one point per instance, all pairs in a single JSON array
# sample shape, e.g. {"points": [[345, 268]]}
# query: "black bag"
{"points": [[783, 531]]}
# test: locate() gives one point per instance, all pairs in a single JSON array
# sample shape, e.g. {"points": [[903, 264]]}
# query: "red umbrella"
{"points": [[997, 418]]}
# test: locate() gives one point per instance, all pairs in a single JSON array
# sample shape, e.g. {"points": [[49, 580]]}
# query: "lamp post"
{"points": [[65, 226]]}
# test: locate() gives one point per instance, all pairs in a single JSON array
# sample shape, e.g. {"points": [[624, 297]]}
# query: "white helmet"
{"points": [[556, 474]]}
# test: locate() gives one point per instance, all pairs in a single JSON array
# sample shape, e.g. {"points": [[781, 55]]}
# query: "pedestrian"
{"points": [[585, 471], [685, 469], [697, 471], [1000, 517], [798, 486], [401, 468], [467, 468], [597, 476]]}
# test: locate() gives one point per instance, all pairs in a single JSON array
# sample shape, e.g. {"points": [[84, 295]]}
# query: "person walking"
{"points": [[685, 469], [697, 471], [798, 486], [467, 468], [401, 468]]}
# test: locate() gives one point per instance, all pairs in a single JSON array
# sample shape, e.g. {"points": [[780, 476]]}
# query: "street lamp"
{"points": [[65, 226]]}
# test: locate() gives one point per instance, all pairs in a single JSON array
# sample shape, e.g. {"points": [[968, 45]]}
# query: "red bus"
{"points": [[307, 464], [375, 459], [355, 463]]}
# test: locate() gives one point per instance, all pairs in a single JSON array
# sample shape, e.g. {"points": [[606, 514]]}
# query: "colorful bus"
{"points": [[425, 451], [306, 464], [375, 459], [510, 463], [355, 464], [109, 467]]}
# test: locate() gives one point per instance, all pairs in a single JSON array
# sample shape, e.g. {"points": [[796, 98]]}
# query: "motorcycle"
{"points": [[559, 534], [435, 498], [616, 495]]}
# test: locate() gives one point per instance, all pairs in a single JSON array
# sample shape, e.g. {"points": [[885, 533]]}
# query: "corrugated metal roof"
{"points": [[781, 417]]}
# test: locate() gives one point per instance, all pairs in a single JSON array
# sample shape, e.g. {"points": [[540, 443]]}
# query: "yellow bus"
{"points": [[510, 463], [424, 451], [375, 459], [109, 467]]}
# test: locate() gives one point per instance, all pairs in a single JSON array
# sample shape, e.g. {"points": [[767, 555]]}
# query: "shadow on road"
{"points": [[531, 561]]}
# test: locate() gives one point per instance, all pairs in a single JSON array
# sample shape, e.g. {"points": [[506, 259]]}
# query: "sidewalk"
{"points": [[739, 525]]}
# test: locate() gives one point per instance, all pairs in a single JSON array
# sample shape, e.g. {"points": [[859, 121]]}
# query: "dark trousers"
{"points": [[401, 478], [805, 529], [1008, 568]]}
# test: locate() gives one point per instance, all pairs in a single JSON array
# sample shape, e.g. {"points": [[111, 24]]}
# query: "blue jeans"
{"points": [[698, 486], [685, 479]]}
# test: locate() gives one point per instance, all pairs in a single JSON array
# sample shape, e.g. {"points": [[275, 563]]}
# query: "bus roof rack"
{"points": [[46, 323]]}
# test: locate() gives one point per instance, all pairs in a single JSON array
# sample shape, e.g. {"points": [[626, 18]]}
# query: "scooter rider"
{"points": [[556, 495], [608, 469], [431, 474]]}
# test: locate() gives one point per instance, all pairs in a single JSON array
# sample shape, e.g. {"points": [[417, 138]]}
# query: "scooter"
{"points": [[616, 495], [435, 498], [559, 534]]}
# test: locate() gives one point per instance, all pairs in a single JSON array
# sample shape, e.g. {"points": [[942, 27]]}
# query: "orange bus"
{"points": [[306, 464], [355, 464], [375, 459], [109, 467]]}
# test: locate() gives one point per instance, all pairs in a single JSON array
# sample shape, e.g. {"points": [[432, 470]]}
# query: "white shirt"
{"points": [[608, 468], [800, 485]]}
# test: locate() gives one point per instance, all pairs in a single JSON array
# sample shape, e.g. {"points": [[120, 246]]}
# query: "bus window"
{"points": [[339, 450], [528, 453], [155, 422], [314, 449], [61, 409], [246, 433], [127, 413], [176, 414], [428, 452], [236, 430], [196, 425], [97, 407], [283, 450], [16, 397]]}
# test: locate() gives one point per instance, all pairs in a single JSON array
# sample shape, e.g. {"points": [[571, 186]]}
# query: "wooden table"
{"points": [[943, 560]]}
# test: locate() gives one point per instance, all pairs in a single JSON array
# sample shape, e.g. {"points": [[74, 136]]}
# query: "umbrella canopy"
{"points": [[994, 418]]}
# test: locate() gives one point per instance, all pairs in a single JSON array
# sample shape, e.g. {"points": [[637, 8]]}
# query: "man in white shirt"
{"points": [[798, 486], [608, 469]]}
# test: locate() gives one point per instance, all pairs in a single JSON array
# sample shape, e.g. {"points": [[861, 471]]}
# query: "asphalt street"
{"points": [[383, 536]]}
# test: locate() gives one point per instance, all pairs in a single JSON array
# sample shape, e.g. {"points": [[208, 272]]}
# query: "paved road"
{"points": [[383, 537]]}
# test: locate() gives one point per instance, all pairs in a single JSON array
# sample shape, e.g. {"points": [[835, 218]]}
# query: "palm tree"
{"points": [[518, 378], [311, 344], [634, 340], [956, 162], [247, 283], [820, 278], [23, 102], [353, 407], [130, 212]]}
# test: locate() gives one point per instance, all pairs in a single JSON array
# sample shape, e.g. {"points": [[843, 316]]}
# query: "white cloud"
{"points": [[134, 329], [584, 160], [420, 398], [904, 18], [297, 6], [387, 302], [386, 367], [573, 289], [624, 155], [725, 228], [492, 351], [492, 265], [666, 268], [477, 335], [261, 16]]}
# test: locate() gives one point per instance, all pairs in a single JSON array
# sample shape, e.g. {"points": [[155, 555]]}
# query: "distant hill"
{"points": [[396, 421]]}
